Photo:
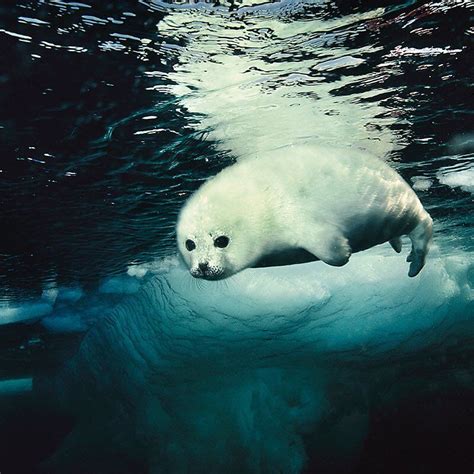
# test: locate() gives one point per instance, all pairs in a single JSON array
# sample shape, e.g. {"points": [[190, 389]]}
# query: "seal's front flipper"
{"points": [[396, 244], [328, 244]]}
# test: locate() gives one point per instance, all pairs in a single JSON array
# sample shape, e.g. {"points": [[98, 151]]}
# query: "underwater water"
{"points": [[113, 358]]}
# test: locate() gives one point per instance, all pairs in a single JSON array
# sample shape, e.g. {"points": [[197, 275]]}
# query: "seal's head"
{"points": [[219, 232]]}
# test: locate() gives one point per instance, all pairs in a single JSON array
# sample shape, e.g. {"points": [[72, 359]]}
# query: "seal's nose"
{"points": [[203, 266]]}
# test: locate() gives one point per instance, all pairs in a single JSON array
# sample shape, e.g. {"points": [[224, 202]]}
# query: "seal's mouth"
{"points": [[209, 274]]}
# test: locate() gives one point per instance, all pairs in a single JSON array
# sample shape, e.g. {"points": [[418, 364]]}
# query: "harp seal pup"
{"points": [[296, 205]]}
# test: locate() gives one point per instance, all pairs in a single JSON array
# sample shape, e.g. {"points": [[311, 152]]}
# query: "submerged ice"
{"points": [[236, 375]]}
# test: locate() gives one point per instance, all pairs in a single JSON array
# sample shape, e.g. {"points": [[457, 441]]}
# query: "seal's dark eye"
{"points": [[190, 245], [221, 241]]}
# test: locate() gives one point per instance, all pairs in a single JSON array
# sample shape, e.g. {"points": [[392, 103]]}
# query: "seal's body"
{"points": [[278, 209]]}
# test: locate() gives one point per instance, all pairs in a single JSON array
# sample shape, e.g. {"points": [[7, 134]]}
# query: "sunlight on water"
{"points": [[259, 83]]}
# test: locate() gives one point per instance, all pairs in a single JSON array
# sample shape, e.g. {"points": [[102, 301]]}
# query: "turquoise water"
{"points": [[112, 115]]}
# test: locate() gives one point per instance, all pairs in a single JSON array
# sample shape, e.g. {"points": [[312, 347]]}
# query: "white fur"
{"points": [[328, 202]]}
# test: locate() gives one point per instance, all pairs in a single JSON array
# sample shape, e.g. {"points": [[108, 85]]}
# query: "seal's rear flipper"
{"points": [[420, 238]]}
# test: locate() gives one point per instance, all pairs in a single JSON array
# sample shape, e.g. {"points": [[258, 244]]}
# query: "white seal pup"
{"points": [[281, 209]]}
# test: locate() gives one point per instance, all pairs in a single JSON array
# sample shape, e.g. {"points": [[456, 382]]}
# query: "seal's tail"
{"points": [[420, 238]]}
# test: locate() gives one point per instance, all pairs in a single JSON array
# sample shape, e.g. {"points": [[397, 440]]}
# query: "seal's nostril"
{"points": [[203, 266]]}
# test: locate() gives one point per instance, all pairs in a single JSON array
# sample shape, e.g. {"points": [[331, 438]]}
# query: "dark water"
{"points": [[98, 154], [81, 195]]}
